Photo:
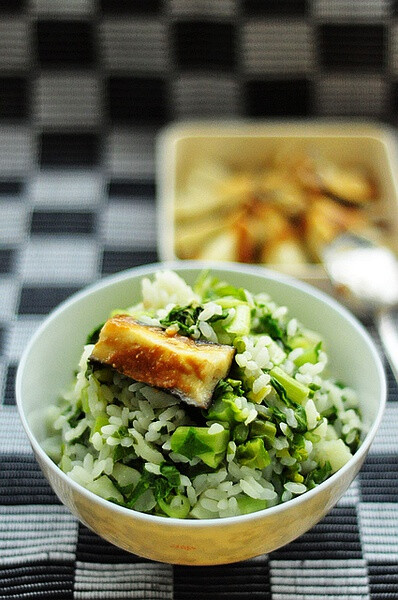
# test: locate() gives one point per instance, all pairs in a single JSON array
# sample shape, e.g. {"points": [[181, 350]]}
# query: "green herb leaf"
{"points": [[318, 475], [92, 337], [186, 317], [271, 326], [253, 454]]}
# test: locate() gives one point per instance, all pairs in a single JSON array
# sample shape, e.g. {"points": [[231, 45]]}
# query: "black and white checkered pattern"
{"points": [[84, 88]]}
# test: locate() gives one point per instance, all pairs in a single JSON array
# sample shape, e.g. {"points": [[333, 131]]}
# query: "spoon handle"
{"points": [[387, 326]]}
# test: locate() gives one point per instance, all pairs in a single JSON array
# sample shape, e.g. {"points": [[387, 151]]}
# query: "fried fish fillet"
{"points": [[174, 362]]}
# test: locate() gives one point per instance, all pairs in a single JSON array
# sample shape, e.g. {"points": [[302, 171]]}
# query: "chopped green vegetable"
{"points": [[171, 473], [125, 475], [101, 420], [311, 355], [253, 454], [248, 505], [295, 391], [240, 324], [240, 433], [224, 408], [177, 506], [198, 442], [263, 429], [186, 317], [92, 337], [318, 475], [104, 487], [268, 324]]}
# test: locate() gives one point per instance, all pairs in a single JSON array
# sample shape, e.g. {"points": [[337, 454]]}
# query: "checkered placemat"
{"points": [[84, 88]]}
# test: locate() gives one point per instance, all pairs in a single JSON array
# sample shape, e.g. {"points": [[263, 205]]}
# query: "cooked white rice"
{"points": [[110, 433]]}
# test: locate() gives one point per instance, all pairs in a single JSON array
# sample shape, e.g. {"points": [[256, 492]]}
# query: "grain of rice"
{"points": [[152, 436], [191, 494], [76, 432], [185, 481], [112, 441], [295, 353], [215, 428], [178, 458], [222, 504], [113, 411], [210, 309], [168, 414], [351, 436], [97, 441], [209, 504], [150, 416], [279, 443], [158, 398], [295, 488], [312, 414], [208, 331], [213, 493], [288, 461], [88, 462], [126, 442], [290, 418], [261, 383], [152, 468], [279, 312], [291, 328], [286, 495]]}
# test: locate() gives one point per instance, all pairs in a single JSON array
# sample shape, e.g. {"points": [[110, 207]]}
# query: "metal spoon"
{"points": [[365, 275]]}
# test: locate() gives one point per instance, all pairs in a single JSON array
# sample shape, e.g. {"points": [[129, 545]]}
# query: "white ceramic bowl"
{"points": [[46, 369]]}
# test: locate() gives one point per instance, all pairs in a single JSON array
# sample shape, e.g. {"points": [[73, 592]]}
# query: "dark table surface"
{"points": [[84, 88]]}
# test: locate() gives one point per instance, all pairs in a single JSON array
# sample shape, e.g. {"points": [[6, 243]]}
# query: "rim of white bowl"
{"points": [[233, 267]]}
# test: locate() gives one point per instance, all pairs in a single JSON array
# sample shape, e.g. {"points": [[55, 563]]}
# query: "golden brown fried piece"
{"points": [[174, 362]]}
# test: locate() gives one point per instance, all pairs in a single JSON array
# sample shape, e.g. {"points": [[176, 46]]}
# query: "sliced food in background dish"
{"points": [[280, 212]]}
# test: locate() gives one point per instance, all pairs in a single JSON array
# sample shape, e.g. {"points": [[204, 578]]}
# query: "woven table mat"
{"points": [[84, 88]]}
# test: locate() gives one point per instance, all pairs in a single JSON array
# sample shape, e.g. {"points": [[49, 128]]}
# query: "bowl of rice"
{"points": [[196, 413]]}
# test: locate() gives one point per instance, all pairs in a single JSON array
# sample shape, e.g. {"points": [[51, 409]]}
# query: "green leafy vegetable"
{"points": [[288, 388], [268, 324], [165, 491], [211, 288], [76, 417], [224, 408], [263, 429], [197, 441], [240, 433], [248, 505], [299, 410], [253, 454], [92, 337], [187, 318], [318, 475], [311, 355]]}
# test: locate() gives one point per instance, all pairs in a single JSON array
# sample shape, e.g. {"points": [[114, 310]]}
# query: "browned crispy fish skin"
{"points": [[175, 363]]}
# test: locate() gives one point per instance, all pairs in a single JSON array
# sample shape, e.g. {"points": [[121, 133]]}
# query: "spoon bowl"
{"points": [[365, 276]]}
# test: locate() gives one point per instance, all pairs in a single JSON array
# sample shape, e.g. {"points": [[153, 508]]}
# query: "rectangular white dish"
{"points": [[244, 143]]}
